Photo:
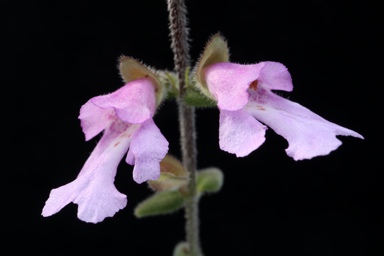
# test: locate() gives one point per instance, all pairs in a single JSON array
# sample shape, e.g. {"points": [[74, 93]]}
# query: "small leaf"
{"points": [[209, 180], [163, 202], [181, 249]]}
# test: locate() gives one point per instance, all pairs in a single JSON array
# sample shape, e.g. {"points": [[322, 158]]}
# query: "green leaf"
{"points": [[181, 249], [209, 180], [159, 203]]}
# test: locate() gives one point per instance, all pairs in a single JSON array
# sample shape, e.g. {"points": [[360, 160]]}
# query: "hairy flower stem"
{"points": [[179, 35]]}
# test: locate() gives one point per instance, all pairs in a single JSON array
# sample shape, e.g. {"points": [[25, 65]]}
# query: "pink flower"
{"points": [[126, 118], [246, 101]]}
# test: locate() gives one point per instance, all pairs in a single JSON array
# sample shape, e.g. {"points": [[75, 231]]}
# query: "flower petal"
{"points": [[228, 83], [307, 133], [148, 148], [275, 76], [94, 119], [240, 133], [134, 103], [97, 200], [93, 189]]}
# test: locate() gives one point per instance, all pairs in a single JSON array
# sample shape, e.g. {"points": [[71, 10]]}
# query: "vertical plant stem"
{"points": [[179, 35]]}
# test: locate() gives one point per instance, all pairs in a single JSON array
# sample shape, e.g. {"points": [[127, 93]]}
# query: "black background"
{"points": [[58, 54]]}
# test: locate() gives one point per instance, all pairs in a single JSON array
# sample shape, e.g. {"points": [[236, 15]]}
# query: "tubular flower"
{"points": [[125, 117], [247, 103]]}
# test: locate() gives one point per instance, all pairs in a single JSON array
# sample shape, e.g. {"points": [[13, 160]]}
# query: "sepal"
{"points": [[160, 203], [193, 96], [216, 50]]}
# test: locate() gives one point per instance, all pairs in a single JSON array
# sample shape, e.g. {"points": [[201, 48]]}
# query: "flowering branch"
{"points": [[248, 105]]}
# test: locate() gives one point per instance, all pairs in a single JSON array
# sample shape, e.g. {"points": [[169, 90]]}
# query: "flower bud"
{"points": [[209, 180]]}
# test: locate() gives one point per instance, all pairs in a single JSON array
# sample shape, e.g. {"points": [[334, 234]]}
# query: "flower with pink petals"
{"points": [[125, 117], [247, 104], [246, 101]]}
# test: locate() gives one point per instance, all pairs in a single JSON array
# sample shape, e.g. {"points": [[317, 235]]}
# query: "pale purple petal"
{"points": [[307, 133], [148, 148], [275, 76], [93, 189], [228, 83], [134, 103], [94, 119], [97, 200], [239, 132]]}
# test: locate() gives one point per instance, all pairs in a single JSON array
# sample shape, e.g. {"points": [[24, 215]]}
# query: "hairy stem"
{"points": [[179, 35]]}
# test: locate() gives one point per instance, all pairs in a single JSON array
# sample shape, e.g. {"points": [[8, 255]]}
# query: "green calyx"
{"points": [[216, 50], [195, 98]]}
